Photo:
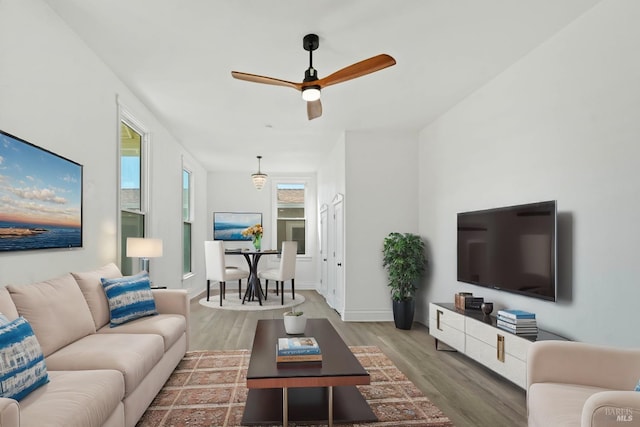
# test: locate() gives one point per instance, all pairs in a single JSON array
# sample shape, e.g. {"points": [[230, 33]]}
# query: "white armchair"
{"points": [[578, 384]]}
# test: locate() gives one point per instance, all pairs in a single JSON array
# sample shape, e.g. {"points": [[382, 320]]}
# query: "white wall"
{"points": [[235, 192], [331, 185], [381, 196], [331, 174], [55, 93], [376, 172], [564, 124]]}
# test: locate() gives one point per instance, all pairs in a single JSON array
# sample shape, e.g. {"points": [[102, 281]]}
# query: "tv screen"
{"points": [[228, 226], [510, 248], [40, 198]]}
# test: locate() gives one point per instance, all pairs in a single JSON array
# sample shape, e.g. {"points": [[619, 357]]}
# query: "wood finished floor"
{"points": [[469, 394]]}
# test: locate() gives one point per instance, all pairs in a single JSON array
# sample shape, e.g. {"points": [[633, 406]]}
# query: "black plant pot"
{"points": [[403, 313]]}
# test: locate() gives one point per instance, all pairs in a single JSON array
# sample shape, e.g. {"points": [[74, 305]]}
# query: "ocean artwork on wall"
{"points": [[40, 198], [229, 225]]}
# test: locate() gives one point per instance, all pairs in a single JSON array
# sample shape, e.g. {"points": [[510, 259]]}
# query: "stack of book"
{"points": [[518, 322], [298, 350]]}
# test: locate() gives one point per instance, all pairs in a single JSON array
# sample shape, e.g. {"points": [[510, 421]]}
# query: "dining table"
{"points": [[252, 256]]}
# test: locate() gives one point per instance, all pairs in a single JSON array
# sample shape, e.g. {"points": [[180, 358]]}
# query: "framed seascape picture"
{"points": [[229, 225], [40, 198]]}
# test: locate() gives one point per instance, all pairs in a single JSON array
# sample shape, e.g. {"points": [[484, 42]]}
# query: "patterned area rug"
{"points": [[207, 389]]}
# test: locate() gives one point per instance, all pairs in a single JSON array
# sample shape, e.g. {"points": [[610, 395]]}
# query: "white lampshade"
{"points": [[311, 93], [142, 247]]}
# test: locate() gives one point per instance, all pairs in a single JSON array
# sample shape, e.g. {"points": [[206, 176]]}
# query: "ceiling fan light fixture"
{"points": [[259, 178], [311, 93], [311, 86]]}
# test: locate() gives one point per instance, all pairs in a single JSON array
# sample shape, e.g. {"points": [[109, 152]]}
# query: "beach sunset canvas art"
{"points": [[40, 197]]}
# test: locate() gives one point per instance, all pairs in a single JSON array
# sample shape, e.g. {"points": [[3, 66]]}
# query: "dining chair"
{"points": [[286, 270], [217, 270]]}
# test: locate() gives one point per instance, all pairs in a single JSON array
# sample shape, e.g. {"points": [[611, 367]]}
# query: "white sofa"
{"points": [[573, 384], [98, 375]]}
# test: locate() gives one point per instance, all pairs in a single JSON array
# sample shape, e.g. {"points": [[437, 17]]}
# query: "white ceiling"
{"points": [[177, 57]]}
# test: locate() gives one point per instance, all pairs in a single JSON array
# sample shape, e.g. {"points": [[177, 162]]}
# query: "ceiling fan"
{"points": [[312, 85]]}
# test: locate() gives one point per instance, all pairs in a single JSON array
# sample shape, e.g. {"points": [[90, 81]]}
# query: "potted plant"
{"points": [[295, 322], [403, 258]]}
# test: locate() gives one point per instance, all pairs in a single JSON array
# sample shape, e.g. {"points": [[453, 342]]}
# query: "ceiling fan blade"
{"points": [[358, 69], [314, 109], [265, 80]]}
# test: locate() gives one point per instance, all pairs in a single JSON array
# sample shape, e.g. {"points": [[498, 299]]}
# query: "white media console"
{"points": [[476, 335]]}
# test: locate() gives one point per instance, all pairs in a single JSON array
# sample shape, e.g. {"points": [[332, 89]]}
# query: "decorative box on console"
{"points": [[459, 299], [473, 303]]}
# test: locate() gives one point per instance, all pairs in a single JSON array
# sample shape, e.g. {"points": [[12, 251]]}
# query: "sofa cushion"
{"points": [[91, 287], [169, 326], [7, 307], [74, 399], [133, 355], [22, 367], [129, 298], [553, 404], [56, 310]]}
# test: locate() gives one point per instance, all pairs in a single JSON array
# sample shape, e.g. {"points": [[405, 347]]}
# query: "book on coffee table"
{"points": [[297, 346], [312, 359], [298, 349]]}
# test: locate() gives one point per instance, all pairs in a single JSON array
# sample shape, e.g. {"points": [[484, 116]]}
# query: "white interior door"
{"points": [[330, 296], [324, 251], [339, 291]]}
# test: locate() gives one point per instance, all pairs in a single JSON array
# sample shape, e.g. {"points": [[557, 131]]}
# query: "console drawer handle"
{"points": [[438, 314], [500, 348]]}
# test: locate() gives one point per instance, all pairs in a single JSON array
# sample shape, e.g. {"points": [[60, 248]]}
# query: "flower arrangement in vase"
{"points": [[255, 232]]}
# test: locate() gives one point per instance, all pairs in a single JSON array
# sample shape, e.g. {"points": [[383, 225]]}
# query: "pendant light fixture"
{"points": [[259, 178]]}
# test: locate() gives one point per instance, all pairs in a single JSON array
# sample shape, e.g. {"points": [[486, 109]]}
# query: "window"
{"points": [[187, 218], [291, 220], [132, 189]]}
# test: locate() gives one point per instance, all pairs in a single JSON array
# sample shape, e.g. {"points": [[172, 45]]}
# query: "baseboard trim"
{"points": [[368, 316]]}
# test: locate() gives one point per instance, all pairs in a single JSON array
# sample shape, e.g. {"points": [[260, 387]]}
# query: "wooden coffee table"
{"points": [[307, 394]]}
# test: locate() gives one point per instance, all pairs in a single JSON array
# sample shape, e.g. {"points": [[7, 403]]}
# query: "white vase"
{"points": [[295, 325]]}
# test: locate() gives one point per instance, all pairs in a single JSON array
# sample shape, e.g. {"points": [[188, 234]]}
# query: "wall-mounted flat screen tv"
{"points": [[510, 248], [229, 225], [40, 197]]}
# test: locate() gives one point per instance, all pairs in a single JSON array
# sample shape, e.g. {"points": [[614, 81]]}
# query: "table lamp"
{"points": [[144, 248]]}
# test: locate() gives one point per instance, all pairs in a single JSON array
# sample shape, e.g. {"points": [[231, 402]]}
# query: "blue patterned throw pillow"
{"points": [[129, 297], [22, 367], [638, 386]]}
